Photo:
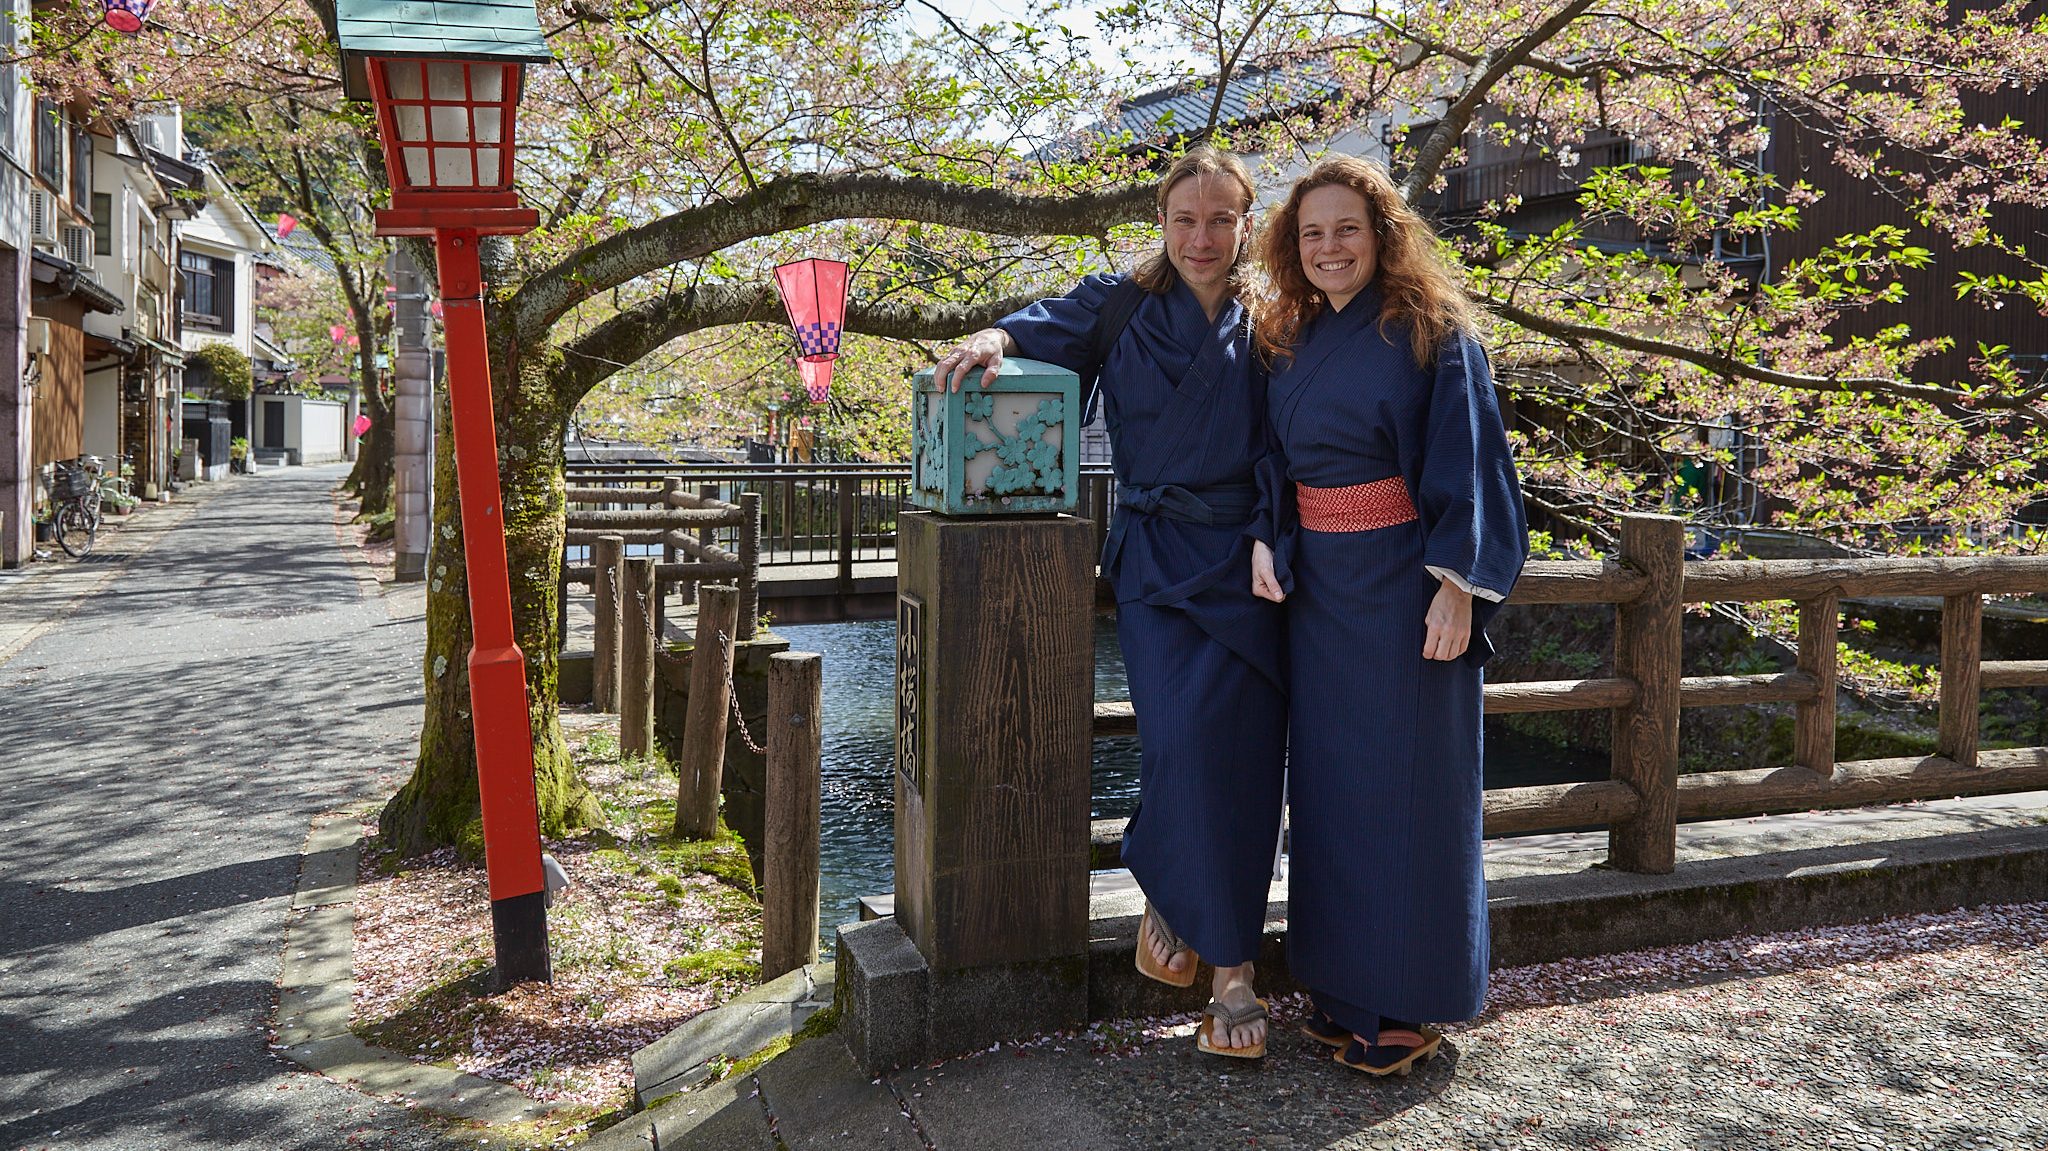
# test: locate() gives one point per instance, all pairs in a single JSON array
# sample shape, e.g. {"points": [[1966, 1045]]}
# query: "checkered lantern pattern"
{"points": [[817, 341]]}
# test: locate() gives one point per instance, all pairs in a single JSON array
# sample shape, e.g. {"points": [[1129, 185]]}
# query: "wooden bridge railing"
{"points": [[820, 514], [679, 522], [1645, 798]]}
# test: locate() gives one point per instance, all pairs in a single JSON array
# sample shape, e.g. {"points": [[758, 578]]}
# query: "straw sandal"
{"points": [[1395, 1052], [1221, 1014], [1153, 969]]}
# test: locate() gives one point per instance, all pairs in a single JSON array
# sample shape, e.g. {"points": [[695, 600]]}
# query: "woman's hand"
{"points": [[1449, 621], [1265, 584], [985, 347]]}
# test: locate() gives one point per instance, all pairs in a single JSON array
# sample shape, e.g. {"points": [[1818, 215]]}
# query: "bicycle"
{"points": [[75, 504]]}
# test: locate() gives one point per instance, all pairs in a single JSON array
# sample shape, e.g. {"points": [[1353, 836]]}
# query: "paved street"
{"points": [[171, 735]]}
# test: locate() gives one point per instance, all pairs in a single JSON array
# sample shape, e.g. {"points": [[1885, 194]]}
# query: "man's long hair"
{"points": [[1416, 286], [1156, 272]]}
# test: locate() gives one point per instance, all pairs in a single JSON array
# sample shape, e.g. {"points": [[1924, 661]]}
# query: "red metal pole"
{"points": [[497, 668]]}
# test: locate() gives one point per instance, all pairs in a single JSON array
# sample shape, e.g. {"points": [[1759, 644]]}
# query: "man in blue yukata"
{"points": [[1185, 400]]}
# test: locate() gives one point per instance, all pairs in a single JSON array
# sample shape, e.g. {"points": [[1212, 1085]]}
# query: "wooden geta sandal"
{"points": [[1220, 1018], [1153, 969], [1396, 1051]]}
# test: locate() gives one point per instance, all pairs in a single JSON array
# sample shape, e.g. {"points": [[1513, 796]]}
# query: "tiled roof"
{"points": [[1253, 95], [503, 29]]}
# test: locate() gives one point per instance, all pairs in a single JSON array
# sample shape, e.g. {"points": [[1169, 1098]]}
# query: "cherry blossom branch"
{"points": [[795, 201], [639, 330]]}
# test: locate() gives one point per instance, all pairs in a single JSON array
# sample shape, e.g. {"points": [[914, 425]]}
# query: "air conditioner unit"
{"points": [[42, 215], [78, 245]]}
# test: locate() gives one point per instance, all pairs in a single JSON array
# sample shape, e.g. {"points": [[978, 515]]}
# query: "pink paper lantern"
{"points": [[361, 425], [817, 375], [337, 333], [126, 15], [285, 223], [814, 294]]}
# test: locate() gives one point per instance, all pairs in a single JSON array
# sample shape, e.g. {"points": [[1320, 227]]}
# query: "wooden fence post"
{"points": [[1962, 648], [703, 757], [636, 657], [789, 937], [605, 555], [1813, 727], [750, 563], [1645, 733], [846, 490]]}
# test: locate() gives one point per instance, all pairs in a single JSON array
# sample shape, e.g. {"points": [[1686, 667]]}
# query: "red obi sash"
{"points": [[1358, 508]]}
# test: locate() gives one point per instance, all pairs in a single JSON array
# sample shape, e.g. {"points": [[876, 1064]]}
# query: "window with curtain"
{"points": [[50, 143], [81, 170], [102, 224], [202, 290]]}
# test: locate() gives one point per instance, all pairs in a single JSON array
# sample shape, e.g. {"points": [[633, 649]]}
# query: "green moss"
{"points": [[728, 965], [825, 1022], [752, 1063], [469, 842]]}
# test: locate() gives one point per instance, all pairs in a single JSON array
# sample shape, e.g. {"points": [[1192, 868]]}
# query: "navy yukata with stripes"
{"points": [[1386, 894], [1185, 401]]}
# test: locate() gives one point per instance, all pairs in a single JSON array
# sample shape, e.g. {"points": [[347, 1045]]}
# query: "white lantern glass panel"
{"points": [[412, 122], [489, 123], [487, 168], [416, 171], [402, 79], [445, 81], [486, 83], [451, 123], [452, 169]]}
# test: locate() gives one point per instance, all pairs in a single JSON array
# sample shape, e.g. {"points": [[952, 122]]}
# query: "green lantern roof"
{"points": [[503, 30]]}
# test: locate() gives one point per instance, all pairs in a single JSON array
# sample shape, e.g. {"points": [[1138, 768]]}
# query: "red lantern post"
{"points": [[446, 95]]}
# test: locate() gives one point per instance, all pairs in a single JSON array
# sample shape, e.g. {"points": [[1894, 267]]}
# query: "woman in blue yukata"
{"points": [[1405, 534], [1185, 399]]}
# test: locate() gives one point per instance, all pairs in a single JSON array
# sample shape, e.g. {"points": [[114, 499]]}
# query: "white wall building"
{"points": [[16, 405]]}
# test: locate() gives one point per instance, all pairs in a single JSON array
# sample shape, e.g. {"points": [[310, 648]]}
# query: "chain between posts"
{"points": [[732, 695]]}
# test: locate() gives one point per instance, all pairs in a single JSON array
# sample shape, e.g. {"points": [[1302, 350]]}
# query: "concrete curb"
{"points": [[317, 982], [734, 1029]]}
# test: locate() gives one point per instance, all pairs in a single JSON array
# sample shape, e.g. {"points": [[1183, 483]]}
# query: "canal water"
{"points": [[856, 829]]}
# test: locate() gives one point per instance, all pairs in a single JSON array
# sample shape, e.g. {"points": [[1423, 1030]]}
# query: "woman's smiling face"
{"points": [[1339, 253]]}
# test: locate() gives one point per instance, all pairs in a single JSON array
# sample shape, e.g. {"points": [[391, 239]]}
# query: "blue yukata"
{"points": [[1185, 401], [1387, 895]]}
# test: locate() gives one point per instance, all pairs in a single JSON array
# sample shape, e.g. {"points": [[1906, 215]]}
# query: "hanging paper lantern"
{"points": [[434, 307], [126, 15], [814, 294], [285, 223], [817, 376], [361, 425], [337, 332]]}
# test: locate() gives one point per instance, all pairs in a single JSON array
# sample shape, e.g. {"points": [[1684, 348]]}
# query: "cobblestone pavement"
{"points": [[1925, 1032]]}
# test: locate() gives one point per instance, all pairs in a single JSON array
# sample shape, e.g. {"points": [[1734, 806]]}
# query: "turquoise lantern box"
{"points": [[1011, 448]]}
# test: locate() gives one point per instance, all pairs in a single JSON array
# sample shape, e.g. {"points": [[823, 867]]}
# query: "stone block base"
{"points": [[895, 1011]]}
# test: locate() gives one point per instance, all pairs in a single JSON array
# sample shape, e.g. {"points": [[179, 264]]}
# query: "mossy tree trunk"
{"points": [[439, 805]]}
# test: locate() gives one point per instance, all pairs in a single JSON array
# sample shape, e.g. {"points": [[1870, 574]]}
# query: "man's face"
{"points": [[1206, 222]]}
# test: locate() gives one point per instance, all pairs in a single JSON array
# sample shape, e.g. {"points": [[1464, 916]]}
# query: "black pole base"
{"points": [[519, 936]]}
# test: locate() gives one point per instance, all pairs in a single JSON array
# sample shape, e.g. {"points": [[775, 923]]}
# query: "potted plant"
{"points": [[238, 454]]}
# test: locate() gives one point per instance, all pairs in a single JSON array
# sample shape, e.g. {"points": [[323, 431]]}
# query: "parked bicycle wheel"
{"points": [[76, 528]]}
